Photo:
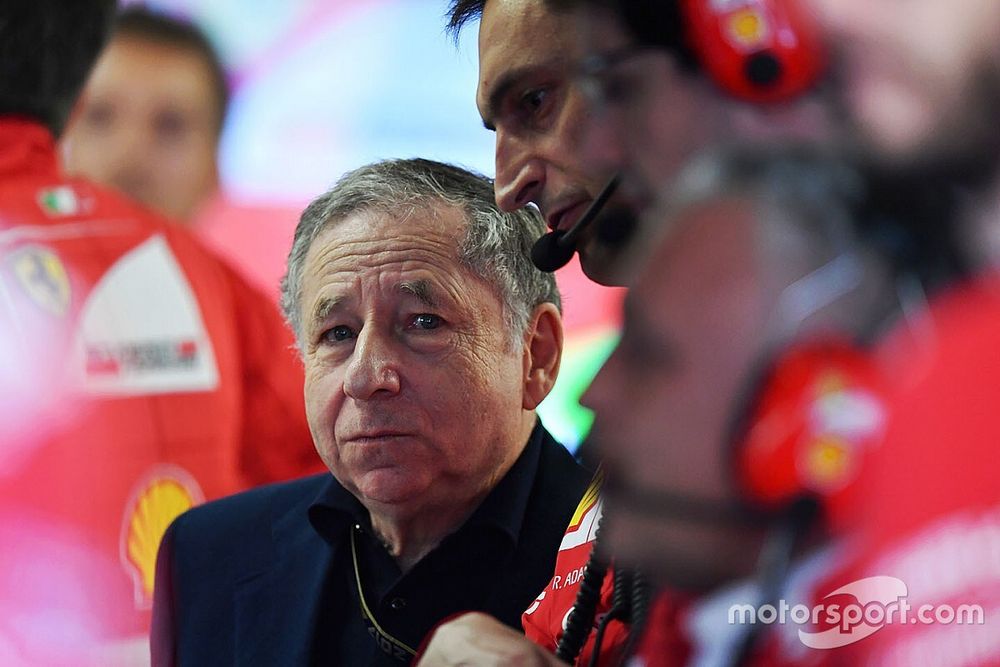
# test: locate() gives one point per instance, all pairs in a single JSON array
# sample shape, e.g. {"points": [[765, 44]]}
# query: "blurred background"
{"points": [[319, 87]]}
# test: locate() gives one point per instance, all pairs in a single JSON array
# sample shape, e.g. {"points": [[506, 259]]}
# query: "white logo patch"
{"points": [[141, 330]]}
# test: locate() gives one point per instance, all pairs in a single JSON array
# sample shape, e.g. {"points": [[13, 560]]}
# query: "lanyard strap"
{"points": [[389, 644]]}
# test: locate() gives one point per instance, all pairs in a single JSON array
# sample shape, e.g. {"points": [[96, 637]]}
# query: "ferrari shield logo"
{"points": [[43, 277]]}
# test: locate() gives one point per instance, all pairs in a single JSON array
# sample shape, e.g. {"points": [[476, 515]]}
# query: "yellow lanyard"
{"points": [[385, 641]]}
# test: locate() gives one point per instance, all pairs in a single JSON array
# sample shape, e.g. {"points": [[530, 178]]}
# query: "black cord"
{"points": [[774, 565], [621, 604], [581, 616], [639, 612], [599, 638]]}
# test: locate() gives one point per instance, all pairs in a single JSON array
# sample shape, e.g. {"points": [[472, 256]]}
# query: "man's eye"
{"points": [[170, 125], [338, 333], [533, 100], [426, 321]]}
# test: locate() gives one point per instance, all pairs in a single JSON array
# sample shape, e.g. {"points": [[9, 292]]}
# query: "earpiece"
{"points": [[757, 50], [812, 419]]}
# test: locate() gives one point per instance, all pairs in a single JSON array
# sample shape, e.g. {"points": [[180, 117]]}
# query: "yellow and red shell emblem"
{"points": [[156, 501]]}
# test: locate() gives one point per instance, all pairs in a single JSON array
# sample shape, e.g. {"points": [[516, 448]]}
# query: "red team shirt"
{"points": [[545, 620], [932, 520], [139, 375]]}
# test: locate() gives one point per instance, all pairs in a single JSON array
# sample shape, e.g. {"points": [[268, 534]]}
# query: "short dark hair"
{"points": [[461, 12], [658, 24], [143, 23], [47, 48]]}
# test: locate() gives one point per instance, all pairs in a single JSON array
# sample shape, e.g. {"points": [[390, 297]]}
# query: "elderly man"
{"points": [[428, 340]]}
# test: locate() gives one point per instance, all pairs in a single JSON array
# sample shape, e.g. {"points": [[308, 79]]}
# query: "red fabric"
{"points": [[932, 491], [122, 400], [663, 643], [545, 620]]}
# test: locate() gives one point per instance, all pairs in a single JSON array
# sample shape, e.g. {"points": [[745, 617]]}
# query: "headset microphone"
{"points": [[554, 250]]}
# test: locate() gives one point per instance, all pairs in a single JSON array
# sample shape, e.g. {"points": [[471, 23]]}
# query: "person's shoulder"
{"points": [[244, 515], [560, 483]]}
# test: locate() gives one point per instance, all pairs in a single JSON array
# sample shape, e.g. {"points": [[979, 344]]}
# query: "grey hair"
{"points": [[495, 246]]}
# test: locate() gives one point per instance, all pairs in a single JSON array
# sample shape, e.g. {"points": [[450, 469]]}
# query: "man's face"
{"points": [[414, 392], [666, 398], [920, 78], [649, 118], [529, 94], [146, 125]]}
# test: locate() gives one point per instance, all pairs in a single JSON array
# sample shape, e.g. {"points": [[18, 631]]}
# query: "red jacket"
{"points": [[545, 620], [932, 491], [139, 375]]}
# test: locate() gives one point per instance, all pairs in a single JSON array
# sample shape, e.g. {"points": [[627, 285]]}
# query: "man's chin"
{"points": [[606, 250], [599, 271], [386, 488]]}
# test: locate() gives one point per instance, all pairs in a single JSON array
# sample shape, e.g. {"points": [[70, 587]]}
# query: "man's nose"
{"points": [[373, 369], [127, 161], [520, 174]]}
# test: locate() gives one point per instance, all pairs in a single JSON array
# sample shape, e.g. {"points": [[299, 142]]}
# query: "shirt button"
{"points": [[397, 604]]}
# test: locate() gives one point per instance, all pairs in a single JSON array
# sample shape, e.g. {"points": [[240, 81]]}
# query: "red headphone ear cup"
{"points": [[756, 50], [811, 423]]}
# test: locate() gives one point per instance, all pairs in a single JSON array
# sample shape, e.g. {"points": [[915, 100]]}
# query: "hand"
{"points": [[481, 640]]}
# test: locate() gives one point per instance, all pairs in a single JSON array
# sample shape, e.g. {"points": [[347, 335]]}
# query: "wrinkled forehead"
{"points": [[383, 234], [370, 253]]}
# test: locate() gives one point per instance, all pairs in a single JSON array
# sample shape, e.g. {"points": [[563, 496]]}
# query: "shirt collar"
{"points": [[504, 508]]}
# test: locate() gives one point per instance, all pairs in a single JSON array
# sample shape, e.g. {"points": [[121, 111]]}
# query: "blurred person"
{"points": [[138, 374], [922, 85], [429, 339], [150, 117], [741, 398], [736, 399], [149, 124]]}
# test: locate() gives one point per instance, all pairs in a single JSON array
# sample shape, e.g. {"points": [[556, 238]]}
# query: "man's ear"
{"points": [[543, 345]]}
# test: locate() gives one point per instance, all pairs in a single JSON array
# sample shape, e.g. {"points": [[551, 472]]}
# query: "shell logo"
{"points": [[157, 500]]}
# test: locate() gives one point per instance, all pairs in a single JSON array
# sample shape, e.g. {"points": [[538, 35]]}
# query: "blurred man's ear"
{"points": [[543, 345]]}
